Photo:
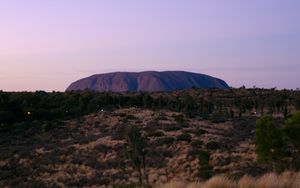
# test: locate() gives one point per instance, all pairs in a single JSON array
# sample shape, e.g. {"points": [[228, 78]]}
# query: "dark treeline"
{"points": [[40, 105]]}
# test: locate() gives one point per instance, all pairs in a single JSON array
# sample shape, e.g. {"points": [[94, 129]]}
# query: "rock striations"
{"points": [[147, 81]]}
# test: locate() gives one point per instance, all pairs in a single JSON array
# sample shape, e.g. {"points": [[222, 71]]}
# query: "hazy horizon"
{"points": [[46, 45]]}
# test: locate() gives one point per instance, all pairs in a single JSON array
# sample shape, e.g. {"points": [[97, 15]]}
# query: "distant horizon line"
{"points": [[230, 87]]}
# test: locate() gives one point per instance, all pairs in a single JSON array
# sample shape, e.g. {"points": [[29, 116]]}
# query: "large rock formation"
{"points": [[147, 81]]}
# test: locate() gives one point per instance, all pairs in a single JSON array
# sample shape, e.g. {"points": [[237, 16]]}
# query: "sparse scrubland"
{"points": [[191, 138]]}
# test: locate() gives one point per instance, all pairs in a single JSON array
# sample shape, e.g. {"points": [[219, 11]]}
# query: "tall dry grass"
{"points": [[271, 180]]}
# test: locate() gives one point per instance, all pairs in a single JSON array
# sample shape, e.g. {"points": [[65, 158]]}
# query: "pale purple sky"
{"points": [[47, 44]]}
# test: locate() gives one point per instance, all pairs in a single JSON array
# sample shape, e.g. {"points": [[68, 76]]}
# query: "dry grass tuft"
{"points": [[246, 182], [271, 180], [174, 184], [194, 185], [219, 182], [268, 180]]}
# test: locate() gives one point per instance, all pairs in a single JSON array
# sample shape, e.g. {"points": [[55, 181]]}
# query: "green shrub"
{"points": [[179, 118], [166, 140], [170, 127], [156, 134], [131, 117], [218, 118], [291, 132], [200, 132], [196, 143], [102, 148], [184, 137], [118, 134], [194, 152], [82, 181], [213, 145], [162, 116], [204, 168], [269, 143]]}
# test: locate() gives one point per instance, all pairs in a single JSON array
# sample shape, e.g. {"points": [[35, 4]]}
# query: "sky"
{"points": [[47, 44]]}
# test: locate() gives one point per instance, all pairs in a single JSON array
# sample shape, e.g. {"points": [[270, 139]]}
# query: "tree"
{"points": [[136, 150], [238, 105], [297, 103], [147, 100], [291, 132], [269, 142], [188, 104], [204, 168]]}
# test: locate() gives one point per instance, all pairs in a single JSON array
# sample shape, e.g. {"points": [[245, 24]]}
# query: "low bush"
{"points": [[170, 127], [218, 118], [102, 148], [193, 152], [184, 137], [204, 168], [131, 117], [166, 140], [118, 134], [156, 133], [196, 143], [200, 132], [179, 118], [213, 145]]}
